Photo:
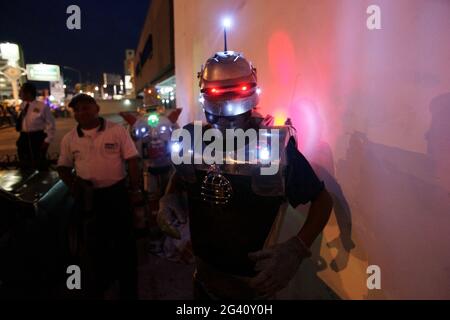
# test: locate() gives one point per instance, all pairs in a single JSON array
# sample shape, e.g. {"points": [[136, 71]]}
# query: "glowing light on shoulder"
{"points": [[176, 147]]}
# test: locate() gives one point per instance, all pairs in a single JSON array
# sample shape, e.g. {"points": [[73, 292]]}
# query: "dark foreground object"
{"points": [[33, 206]]}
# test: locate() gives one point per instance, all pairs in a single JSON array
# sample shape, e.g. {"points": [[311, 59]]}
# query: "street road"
{"points": [[8, 136]]}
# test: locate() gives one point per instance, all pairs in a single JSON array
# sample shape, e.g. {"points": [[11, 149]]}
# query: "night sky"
{"points": [[107, 29]]}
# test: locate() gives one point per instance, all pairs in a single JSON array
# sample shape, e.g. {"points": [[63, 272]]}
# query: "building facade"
{"points": [[154, 67], [11, 57]]}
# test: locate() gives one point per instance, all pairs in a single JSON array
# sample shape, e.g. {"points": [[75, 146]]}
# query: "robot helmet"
{"points": [[228, 85]]}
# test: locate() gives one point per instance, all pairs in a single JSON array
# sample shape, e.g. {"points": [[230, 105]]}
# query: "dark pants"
{"points": [[29, 150], [108, 247]]}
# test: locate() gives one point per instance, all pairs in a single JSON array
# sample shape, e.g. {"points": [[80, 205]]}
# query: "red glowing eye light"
{"points": [[239, 89]]}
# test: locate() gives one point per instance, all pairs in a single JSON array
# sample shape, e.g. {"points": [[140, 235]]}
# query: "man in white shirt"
{"points": [[37, 129], [99, 152]]}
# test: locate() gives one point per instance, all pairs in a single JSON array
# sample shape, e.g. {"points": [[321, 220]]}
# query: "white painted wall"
{"points": [[372, 110]]}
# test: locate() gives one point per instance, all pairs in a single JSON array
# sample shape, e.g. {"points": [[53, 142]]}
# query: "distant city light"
{"points": [[165, 90]]}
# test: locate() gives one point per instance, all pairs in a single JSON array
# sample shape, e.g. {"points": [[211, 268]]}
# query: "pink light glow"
{"points": [[308, 123], [282, 58]]}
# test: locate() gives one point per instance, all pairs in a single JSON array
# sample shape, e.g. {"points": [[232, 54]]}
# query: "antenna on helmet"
{"points": [[226, 22]]}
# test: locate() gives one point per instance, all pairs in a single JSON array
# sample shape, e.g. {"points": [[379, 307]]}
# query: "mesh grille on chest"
{"points": [[216, 189]]}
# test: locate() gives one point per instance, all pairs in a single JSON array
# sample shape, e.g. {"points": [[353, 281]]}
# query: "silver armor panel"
{"points": [[265, 185]]}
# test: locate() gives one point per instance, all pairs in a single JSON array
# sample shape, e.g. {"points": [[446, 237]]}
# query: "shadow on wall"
{"points": [[343, 243], [438, 139], [307, 284], [323, 164], [403, 204]]}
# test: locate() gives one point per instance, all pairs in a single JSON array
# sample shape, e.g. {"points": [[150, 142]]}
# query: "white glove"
{"points": [[172, 213], [277, 266]]}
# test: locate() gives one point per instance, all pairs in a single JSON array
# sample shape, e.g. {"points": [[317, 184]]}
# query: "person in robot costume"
{"points": [[233, 209], [151, 133]]}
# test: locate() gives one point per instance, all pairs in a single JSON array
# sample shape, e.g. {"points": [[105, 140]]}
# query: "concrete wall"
{"points": [[372, 110]]}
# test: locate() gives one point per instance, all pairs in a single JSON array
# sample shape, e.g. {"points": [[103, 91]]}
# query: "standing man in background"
{"points": [[37, 129], [100, 151]]}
